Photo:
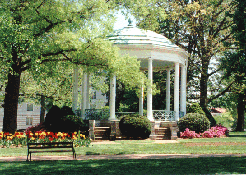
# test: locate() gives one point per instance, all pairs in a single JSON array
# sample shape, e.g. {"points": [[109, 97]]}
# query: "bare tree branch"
{"points": [[221, 93]]}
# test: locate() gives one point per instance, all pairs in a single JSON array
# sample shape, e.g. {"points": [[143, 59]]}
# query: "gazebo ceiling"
{"points": [[146, 44]]}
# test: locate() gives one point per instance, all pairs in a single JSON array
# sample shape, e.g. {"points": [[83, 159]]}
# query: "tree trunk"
{"points": [[42, 111], [11, 103], [204, 91], [203, 84], [240, 112]]}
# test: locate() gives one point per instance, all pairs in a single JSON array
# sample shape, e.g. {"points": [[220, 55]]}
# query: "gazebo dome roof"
{"points": [[145, 45], [133, 36]]}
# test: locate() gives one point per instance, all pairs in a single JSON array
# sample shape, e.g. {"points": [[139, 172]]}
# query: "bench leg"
{"points": [[74, 155]]}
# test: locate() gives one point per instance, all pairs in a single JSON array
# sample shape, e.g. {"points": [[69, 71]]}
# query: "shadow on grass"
{"points": [[212, 165], [237, 135], [91, 153]]}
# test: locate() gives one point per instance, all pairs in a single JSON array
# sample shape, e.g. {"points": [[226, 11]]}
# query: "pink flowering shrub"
{"points": [[189, 134], [216, 131]]}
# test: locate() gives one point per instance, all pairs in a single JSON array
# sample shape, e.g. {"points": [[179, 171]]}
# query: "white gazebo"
{"points": [[155, 52]]}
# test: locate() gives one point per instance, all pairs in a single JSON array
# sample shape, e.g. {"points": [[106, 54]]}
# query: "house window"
{"points": [[29, 107], [94, 95], [29, 120]]}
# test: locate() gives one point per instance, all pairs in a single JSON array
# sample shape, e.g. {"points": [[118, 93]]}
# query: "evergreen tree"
{"points": [[234, 62]]}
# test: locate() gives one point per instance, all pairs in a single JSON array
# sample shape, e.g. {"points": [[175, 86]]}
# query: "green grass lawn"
{"points": [[220, 165], [237, 146], [209, 165]]}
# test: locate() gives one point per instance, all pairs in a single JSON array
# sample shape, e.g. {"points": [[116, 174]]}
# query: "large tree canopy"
{"points": [[200, 27], [234, 62], [34, 35]]}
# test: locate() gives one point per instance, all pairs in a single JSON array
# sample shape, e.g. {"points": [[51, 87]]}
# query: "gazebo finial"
{"points": [[129, 22]]}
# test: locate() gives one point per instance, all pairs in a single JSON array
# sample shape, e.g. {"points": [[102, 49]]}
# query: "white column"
{"points": [[168, 90], [112, 97], [88, 91], [149, 91], [141, 101], [83, 93], [183, 90], [176, 92], [75, 88]]}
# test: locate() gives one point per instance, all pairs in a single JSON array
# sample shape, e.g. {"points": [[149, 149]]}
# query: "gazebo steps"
{"points": [[102, 133], [163, 133], [160, 137], [101, 138], [100, 130]]}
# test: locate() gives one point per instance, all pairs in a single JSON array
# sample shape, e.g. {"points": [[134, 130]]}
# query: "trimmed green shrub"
{"points": [[135, 126], [195, 122], [53, 118], [63, 120], [71, 123], [194, 108]]}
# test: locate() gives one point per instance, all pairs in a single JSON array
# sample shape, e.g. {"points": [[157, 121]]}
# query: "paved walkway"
{"points": [[124, 156], [154, 141]]}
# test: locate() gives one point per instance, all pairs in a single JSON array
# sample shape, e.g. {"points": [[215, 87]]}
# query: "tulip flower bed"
{"points": [[21, 138], [217, 131]]}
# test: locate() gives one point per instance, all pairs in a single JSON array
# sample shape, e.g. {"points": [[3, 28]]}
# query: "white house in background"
{"points": [[97, 99], [28, 115]]}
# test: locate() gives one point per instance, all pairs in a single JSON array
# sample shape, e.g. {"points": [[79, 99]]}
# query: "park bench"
{"points": [[50, 147]]}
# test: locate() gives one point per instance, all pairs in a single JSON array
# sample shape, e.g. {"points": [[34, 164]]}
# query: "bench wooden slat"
{"points": [[50, 151], [48, 147], [51, 143]]}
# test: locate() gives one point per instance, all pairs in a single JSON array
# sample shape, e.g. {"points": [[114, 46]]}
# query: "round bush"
{"points": [[194, 108], [195, 122], [71, 123], [135, 126], [53, 119], [63, 120]]}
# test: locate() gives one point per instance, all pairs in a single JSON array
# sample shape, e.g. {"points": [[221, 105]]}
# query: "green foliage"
{"points": [[44, 39], [226, 119], [199, 27], [195, 122], [234, 62], [135, 126], [194, 108], [97, 114], [62, 120], [72, 123]]}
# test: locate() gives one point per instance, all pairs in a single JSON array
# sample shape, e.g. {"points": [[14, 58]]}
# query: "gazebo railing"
{"points": [[96, 114], [163, 115], [181, 114]]}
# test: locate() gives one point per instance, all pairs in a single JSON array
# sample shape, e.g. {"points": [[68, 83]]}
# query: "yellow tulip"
{"points": [[43, 134], [59, 134]]}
